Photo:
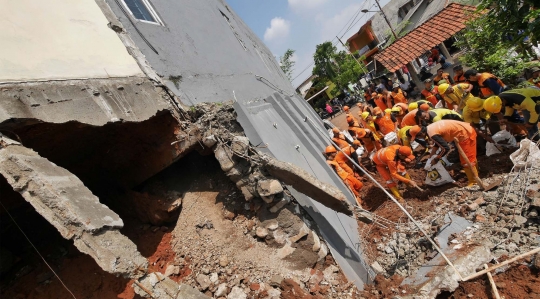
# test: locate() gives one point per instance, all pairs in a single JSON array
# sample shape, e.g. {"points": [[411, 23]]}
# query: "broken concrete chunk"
{"points": [[224, 157], [272, 224], [161, 287], [520, 220], [209, 141], [316, 242], [172, 270], [221, 290], [377, 268], [261, 232], [269, 187], [203, 281], [240, 145], [237, 293], [285, 251], [323, 252], [279, 205], [303, 182], [276, 280], [304, 231]]}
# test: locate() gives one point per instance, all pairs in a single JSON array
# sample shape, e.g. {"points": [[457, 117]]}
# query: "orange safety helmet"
{"points": [[377, 110], [345, 108], [424, 107], [414, 131], [407, 152], [336, 131], [350, 120], [330, 149]]}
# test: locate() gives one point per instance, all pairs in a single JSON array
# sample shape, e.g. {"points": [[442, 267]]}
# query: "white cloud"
{"points": [[300, 5], [332, 26], [279, 29]]}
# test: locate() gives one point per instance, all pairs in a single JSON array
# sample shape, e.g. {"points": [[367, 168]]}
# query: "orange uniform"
{"points": [[341, 142], [380, 102], [409, 119], [429, 95], [443, 76], [385, 123], [486, 91], [398, 97], [350, 180], [388, 165], [361, 134], [343, 160], [460, 79], [404, 108], [448, 130]]}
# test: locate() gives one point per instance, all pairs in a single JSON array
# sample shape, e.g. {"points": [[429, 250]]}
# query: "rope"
{"points": [[37, 251]]}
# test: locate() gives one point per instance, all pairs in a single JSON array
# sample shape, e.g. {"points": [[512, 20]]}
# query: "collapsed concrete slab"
{"points": [[157, 285], [63, 200], [303, 182]]}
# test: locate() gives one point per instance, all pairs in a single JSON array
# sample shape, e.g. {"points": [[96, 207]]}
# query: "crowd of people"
{"points": [[463, 109]]}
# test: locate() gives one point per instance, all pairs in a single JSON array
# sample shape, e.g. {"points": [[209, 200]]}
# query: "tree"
{"points": [[517, 21], [286, 63], [484, 50], [339, 68]]}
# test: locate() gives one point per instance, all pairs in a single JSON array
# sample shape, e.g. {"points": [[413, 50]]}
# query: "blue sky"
{"points": [[302, 24]]}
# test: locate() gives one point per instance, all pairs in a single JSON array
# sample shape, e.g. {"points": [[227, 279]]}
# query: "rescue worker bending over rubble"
{"points": [[339, 138], [477, 117], [386, 122], [365, 136], [389, 165], [408, 133], [343, 160], [443, 132], [398, 111], [527, 100], [455, 96], [354, 184], [368, 122], [428, 116]]}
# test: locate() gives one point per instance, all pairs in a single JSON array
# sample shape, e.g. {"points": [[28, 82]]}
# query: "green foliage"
{"points": [[484, 53], [338, 67], [286, 63], [514, 20]]}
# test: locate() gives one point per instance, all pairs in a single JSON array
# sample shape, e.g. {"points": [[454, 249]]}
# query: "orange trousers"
{"points": [[387, 177], [469, 148]]}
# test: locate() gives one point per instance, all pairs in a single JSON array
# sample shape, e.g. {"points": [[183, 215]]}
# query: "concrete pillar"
{"points": [[414, 76], [445, 52]]}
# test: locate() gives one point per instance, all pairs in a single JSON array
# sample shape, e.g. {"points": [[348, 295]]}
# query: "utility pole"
{"points": [[386, 19], [361, 65]]}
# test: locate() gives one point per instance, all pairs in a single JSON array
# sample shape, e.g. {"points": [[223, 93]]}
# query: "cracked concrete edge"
{"points": [[447, 279], [63, 200], [157, 285], [307, 184]]}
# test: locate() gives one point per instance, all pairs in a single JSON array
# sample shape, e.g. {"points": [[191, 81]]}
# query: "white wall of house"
{"points": [[58, 39]]}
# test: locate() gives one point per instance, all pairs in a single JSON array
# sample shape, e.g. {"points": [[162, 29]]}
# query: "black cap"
{"points": [[458, 67]]}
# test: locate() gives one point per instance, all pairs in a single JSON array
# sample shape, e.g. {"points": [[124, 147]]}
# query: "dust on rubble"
{"points": [[506, 218]]}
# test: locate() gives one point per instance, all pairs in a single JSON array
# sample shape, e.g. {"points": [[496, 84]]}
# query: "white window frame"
{"points": [[150, 9]]}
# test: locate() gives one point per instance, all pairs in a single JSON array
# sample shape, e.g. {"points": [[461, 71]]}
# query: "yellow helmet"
{"points": [[413, 106], [493, 104], [443, 87], [387, 110], [365, 115], [475, 104], [396, 109]]}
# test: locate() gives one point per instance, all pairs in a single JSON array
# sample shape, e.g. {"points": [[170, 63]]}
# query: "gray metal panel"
{"points": [[340, 231]]}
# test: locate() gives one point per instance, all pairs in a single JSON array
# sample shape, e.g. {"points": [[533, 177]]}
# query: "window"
{"points": [[142, 10]]}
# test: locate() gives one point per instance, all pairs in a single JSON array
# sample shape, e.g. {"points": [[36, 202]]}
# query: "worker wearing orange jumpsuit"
{"points": [[389, 165], [379, 100], [385, 121], [397, 95], [348, 113], [342, 158], [366, 136], [399, 111], [410, 119], [444, 132], [339, 138], [354, 184]]}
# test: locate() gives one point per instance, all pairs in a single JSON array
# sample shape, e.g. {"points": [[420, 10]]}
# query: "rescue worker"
{"points": [[368, 122], [399, 110], [410, 119], [455, 96], [348, 113], [443, 132], [365, 136], [488, 83], [414, 105], [397, 95], [476, 116], [385, 121], [379, 100], [354, 184], [429, 92], [408, 134], [339, 138], [389, 165], [441, 75], [343, 160], [386, 97], [526, 100], [459, 76], [428, 116]]}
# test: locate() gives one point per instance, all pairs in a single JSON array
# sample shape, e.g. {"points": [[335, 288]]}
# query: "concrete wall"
{"points": [[57, 39], [200, 57]]}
